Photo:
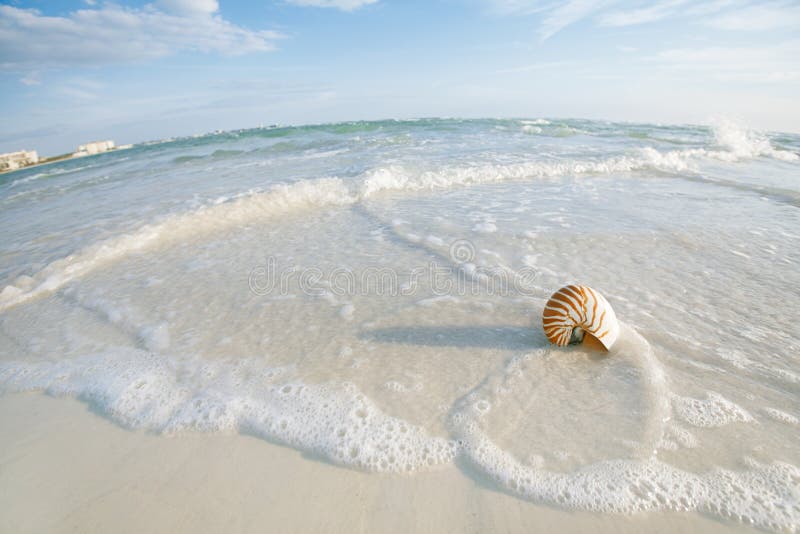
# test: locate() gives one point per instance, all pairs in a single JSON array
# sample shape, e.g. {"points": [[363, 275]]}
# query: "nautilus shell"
{"points": [[574, 311]]}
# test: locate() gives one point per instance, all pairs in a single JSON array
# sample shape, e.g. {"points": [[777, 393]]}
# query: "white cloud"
{"points": [[344, 5], [567, 14], [555, 15], [115, 34], [710, 7], [31, 79], [759, 17], [641, 15]]}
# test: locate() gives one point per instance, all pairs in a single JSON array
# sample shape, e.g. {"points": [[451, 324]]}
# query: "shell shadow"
{"points": [[491, 337]]}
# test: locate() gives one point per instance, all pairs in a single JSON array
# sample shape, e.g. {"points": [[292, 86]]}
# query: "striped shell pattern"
{"points": [[575, 310]]}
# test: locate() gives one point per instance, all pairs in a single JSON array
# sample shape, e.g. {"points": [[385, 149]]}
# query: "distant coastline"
{"points": [[63, 157]]}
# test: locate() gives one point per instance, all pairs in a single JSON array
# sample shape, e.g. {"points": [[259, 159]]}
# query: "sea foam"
{"points": [[147, 390], [168, 394], [767, 496]]}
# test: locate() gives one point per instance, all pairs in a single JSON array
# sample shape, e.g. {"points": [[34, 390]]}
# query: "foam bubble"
{"points": [[781, 416], [486, 227], [156, 337], [346, 311], [676, 437], [395, 386], [713, 411], [138, 389], [628, 487], [767, 496]]}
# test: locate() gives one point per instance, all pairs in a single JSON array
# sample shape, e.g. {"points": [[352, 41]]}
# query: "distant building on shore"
{"points": [[16, 160], [95, 147]]}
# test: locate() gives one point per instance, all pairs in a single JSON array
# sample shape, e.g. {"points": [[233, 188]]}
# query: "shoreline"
{"points": [[64, 468]]}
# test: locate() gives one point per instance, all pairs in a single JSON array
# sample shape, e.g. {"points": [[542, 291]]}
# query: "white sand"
{"points": [[66, 469]]}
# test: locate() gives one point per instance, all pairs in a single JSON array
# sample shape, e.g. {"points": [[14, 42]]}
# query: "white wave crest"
{"points": [[740, 143], [401, 178], [280, 199]]}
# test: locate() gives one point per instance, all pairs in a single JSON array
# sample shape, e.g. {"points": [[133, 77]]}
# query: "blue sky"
{"points": [[73, 71]]}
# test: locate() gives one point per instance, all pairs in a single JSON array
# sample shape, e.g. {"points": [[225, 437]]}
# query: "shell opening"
{"points": [[577, 336], [592, 343]]}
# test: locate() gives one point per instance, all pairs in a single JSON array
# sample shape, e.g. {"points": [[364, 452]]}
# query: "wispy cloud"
{"points": [[568, 13], [31, 79], [710, 7], [76, 94], [344, 5], [556, 15], [114, 34], [759, 17], [80, 89], [641, 15]]}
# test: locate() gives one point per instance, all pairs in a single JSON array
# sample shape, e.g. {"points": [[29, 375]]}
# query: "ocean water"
{"points": [[370, 293]]}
